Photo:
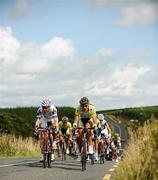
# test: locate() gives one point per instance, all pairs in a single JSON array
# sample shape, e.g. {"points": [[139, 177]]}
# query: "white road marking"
{"points": [[8, 165]]}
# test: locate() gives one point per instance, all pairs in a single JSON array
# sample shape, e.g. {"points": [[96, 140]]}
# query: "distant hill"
{"points": [[21, 120]]}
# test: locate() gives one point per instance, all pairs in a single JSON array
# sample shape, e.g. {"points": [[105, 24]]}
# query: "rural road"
{"points": [[32, 169]]}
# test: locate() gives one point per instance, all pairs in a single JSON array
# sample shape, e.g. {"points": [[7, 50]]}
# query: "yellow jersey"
{"points": [[64, 125], [91, 113]]}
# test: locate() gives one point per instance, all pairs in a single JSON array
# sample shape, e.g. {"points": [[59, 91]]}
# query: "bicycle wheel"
{"points": [[63, 151], [49, 159], [102, 158], [44, 160], [83, 159], [75, 150], [92, 158]]}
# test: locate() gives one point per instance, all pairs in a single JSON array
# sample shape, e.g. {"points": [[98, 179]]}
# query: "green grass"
{"points": [[12, 146]]}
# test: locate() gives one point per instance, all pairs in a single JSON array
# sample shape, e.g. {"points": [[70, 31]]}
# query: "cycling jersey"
{"points": [[46, 117], [64, 125], [102, 129], [65, 128], [86, 115]]}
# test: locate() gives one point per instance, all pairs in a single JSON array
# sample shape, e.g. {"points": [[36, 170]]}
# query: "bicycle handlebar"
{"points": [[44, 129], [83, 128]]}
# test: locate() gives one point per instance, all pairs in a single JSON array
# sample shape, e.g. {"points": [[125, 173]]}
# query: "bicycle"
{"points": [[102, 150], [46, 149], [74, 143], [84, 149], [63, 148]]}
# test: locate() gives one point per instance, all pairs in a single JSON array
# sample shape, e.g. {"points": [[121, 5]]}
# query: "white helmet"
{"points": [[101, 117], [45, 102]]}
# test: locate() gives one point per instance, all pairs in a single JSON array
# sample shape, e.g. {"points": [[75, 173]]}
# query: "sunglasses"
{"points": [[85, 105], [45, 107]]}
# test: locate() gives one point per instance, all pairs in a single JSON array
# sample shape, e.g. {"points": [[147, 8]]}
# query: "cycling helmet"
{"points": [[46, 103], [65, 119], [84, 100], [101, 117]]}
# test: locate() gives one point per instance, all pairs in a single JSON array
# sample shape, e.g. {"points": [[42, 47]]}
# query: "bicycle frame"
{"points": [[84, 148], [74, 141], [102, 150], [63, 148], [47, 146]]}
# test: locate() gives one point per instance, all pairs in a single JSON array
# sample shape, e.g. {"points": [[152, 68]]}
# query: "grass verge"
{"points": [[140, 160]]}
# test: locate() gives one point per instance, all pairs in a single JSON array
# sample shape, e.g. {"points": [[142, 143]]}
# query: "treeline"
{"points": [[21, 120], [140, 114]]}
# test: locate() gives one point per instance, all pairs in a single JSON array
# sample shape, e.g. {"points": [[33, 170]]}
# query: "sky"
{"points": [[106, 50]]}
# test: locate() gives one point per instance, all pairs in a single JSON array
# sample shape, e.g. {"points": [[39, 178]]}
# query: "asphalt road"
{"points": [[120, 129], [31, 169]]}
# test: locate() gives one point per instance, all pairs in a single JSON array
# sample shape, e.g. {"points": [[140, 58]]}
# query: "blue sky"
{"points": [[99, 48]]}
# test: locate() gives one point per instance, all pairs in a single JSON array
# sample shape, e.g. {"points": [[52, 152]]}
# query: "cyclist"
{"points": [[85, 116], [103, 130], [115, 145], [46, 113], [103, 126], [65, 128]]}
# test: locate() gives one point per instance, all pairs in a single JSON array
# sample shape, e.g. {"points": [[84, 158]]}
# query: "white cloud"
{"points": [[9, 47], [133, 12], [59, 47], [31, 71], [138, 14]]}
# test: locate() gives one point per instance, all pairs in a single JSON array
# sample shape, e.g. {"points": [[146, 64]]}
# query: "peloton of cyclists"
{"points": [[47, 112], [85, 116]]}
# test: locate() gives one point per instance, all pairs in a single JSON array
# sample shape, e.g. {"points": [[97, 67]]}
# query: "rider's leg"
{"points": [[89, 139], [79, 143], [42, 146], [96, 143], [67, 143]]}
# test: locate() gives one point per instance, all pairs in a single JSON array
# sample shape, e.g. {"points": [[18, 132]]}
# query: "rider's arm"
{"points": [[37, 123], [108, 127], [38, 116], [76, 119], [56, 122], [93, 115]]}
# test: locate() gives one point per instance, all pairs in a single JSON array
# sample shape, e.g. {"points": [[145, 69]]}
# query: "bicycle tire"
{"points": [[44, 160], [92, 158], [83, 159], [102, 159], [75, 150], [49, 159], [63, 151]]}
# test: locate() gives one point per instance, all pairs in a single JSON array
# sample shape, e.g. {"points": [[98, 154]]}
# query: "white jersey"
{"points": [[103, 123], [104, 129], [46, 117]]}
